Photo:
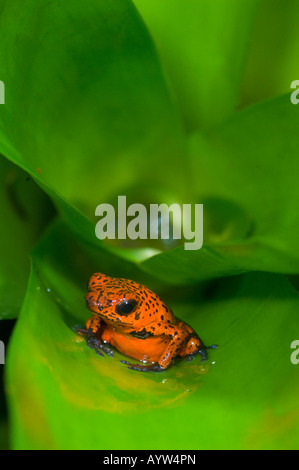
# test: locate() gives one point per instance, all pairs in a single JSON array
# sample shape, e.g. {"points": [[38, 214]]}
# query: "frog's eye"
{"points": [[126, 307]]}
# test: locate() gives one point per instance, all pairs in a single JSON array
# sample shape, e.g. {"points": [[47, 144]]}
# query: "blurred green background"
{"points": [[183, 101]]}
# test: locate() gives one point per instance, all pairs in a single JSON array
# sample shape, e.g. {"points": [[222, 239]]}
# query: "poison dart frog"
{"points": [[134, 320]]}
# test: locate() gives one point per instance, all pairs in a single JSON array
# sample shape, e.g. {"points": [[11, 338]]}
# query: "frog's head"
{"points": [[115, 300]]}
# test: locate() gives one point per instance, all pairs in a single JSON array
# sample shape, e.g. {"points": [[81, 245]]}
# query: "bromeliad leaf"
{"points": [[203, 46], [244, 397], [87, 111], [25, 210], [245, 173]]}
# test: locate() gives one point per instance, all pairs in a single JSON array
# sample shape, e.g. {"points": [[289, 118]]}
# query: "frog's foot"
{"points": [[201, 351], [144, 368], [93, 341]]}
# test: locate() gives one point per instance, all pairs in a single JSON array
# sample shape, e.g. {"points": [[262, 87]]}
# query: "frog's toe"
{"points": [[106, 350], [98, 352], [93, 341], [203, 353], [190, 357], [143, 367], [80, 330]]}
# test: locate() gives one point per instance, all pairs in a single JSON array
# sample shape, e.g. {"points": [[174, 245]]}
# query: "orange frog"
{"points": [[134, 320]]}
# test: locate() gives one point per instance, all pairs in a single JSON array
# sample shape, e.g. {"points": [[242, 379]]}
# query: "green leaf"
{"points": [[87, 111], [275, 34], [252, 162], [61, 395], [245, 174], [203, 47], [25, 210]]}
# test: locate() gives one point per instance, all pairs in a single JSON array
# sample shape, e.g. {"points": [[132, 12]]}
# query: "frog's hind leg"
{"points": [[202, 350], [192, 347]]}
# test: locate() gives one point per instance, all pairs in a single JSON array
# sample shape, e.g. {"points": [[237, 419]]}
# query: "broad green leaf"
{"points": [[24, 211], [82, 111], [62, 395], [245, 173], [87, 111], [252, 162], [203, 47], [275, 35]]}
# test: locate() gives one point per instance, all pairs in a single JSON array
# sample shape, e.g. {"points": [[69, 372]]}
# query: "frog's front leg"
{"points": [[92, 334]]}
